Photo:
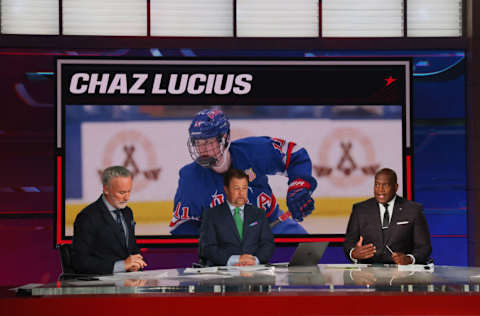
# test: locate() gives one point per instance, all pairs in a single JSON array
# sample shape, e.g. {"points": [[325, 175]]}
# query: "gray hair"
{"points": [[115, 172]]}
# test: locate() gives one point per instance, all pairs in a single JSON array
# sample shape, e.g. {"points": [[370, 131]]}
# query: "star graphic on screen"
{"points": [[389, 81]]}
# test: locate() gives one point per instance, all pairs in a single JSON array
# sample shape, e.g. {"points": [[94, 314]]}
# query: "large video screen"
{"points": [[350, 118]]}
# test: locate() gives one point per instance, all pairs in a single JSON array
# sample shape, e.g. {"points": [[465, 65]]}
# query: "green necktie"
{"points": [[238, 221]]}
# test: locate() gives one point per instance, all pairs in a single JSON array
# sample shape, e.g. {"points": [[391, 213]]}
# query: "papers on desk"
{"points": [[230, 270], [416, 267], [346, 266], [130, 274], [151, 274], [246, 271], [207, 276], [257, 268], [201, 270]]}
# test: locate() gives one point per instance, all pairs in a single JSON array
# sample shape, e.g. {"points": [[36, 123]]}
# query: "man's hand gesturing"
{"points": [[363, 251]]}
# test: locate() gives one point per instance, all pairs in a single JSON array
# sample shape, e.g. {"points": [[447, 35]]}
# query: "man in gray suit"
{"points": [[387, 228], [235, 233]]}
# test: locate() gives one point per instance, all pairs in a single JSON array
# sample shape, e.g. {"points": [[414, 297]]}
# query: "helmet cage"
{"points": [[208, 161]]}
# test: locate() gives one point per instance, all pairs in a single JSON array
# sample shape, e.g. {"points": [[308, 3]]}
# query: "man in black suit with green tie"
{"points": [[104, 232], [387, 228], [235, 233]]}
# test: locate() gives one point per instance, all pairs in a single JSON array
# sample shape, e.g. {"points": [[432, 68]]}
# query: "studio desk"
{"points": [[318, 290]]}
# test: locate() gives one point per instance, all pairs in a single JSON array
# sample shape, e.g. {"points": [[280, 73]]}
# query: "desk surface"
{"points": [[325, 278]]}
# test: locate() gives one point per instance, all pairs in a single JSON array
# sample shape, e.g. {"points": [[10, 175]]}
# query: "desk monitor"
{"points": [[308, 254]]}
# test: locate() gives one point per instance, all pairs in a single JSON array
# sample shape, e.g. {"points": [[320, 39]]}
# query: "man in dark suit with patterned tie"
{"points": [[235, 233], [104, 232], [387, 228]]}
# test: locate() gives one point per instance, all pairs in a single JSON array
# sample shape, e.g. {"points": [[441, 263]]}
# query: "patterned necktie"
{"points": [[386, 217], [118, 219], [238, 221]]}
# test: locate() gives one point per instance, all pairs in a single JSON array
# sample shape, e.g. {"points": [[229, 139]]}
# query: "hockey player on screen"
{"points": [[201, 182]]}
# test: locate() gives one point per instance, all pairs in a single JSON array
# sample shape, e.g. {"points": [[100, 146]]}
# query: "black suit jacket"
{"points": [[98, 241], [407, 233], [219, 237]]}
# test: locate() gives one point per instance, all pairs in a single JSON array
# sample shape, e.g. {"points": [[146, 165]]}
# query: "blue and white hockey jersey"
{"points": [[201, 188]]}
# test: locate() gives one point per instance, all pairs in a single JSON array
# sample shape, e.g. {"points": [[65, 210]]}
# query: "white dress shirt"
{"points": [[391, 203]]}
